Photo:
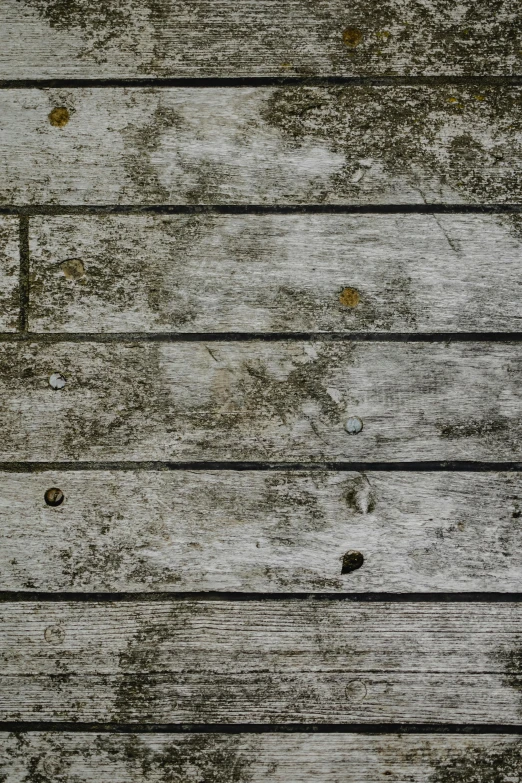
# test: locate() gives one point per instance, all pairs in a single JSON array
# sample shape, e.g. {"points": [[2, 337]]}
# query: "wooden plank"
{"points": [[262, 401], [46, 38], [274, 273], [265, 145], [244, 758], [9, 273], [254, 531], [261, 662]]}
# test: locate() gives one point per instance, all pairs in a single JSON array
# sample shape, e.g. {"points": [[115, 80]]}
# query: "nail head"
{"points": [[353, 425], [59, 116], [57, 381], [352, 37], [352, 561], [355, 690], [73, 268], [349, 297], [54, 634], [54, 497]]}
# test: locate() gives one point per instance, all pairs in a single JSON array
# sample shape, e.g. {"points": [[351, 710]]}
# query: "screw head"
{"points": [[54, 497], [354, 425], [57, 381]]}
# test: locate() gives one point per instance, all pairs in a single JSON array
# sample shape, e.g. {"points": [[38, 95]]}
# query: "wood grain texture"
{"points": [[52, 38], [266, 145], [261, 662], [9, 274], [294, 758], [274, 273], [255, 400], [252, 531]]}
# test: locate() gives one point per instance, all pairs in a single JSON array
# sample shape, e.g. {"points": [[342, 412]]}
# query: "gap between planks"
{"points": [[256, 209], [78, 727], [7, 596], [265, 81]]}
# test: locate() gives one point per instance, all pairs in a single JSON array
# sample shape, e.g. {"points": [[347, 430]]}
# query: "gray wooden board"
{"points": [[257, 400], [266, 273], [282, 758], [264, 145], [9, 273], [50, 38], [255, 531], [261, 661]]}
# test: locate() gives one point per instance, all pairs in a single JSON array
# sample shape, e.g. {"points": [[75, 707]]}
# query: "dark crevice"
{"points": [[263, 81], [258, 728], [423, 466], [23, 318], [257, 209], [12, 596], [265, 337]]}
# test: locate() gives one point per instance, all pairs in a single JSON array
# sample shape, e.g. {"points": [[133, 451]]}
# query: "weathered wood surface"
{"points": [[283, 758], [9, 274], [259, 400], [261, 661], [254, 531], [274, 273], [266, 145], [50, 38]]}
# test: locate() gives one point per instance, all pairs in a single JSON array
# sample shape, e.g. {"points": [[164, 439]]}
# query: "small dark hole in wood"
{"points": [[54, 497], [351, 562]]}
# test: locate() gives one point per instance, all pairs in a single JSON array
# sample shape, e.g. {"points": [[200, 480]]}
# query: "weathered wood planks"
{"points": [[257, 400], [275, 273], [9, 273], [49, 38], [261, 661], [265, 145], [307, 758], [253, 531]]}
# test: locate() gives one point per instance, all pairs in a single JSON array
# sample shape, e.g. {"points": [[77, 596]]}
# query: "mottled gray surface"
{"points": [[261, 661], [262, 145], [9, 274], [285, 401], [300, 758], [246, 531], [275, 273], [60, 38]]}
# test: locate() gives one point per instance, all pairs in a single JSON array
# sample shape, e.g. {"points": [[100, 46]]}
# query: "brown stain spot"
{"points": [[352, 37], [73, 268], [349, 297], [59, 117]]}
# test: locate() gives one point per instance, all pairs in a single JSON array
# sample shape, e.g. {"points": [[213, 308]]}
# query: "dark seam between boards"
{"points": [[425, 466], [13, 596], [33, 210], [514, 80], [257, 728]]}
